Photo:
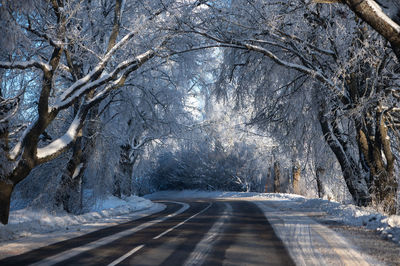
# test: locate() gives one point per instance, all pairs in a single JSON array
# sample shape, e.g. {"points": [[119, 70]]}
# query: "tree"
{"points": [[383, 16], [76, 60], [347, 76]]}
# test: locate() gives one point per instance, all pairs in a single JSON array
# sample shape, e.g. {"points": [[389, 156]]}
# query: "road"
{"points": [[193, 232]]}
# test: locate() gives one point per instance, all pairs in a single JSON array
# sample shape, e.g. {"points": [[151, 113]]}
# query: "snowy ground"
{"points": [[29, 229]]}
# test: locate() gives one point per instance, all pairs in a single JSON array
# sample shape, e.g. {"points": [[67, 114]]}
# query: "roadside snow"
{"points": [[29, 229], [387, 226]]}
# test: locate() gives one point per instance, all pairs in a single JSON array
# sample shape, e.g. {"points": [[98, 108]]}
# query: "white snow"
{"points": [[379, 12], [61, 142], [28, 229], [25, 64]]}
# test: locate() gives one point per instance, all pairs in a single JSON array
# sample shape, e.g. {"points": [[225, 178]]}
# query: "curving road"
{"points": [[196, 232]]}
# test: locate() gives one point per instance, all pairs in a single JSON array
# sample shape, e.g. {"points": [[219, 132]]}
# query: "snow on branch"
{"points": [[128, 65], [300, 40], [25, 64], [314, 73], [98, 69], [59, 145], [301, 68], [373, 14], [17, 150]]}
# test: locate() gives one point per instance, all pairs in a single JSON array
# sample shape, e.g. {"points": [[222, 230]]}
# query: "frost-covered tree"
{"points": [[75, 53], [340, 78]]}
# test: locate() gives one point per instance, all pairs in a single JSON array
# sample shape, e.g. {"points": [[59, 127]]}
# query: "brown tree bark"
{"points": [[277, 174], [296, 178], [375, 152], [385, 183]]}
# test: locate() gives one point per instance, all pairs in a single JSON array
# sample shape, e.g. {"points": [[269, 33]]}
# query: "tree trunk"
{"points": [[266, 183], [385, 183], [69, 192], [319, 172], [352, 174], [375, 151], [385, 192], [6, 189], [277, 173], [296, 178]]}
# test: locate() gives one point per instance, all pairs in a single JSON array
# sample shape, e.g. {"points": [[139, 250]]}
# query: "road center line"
{"points": [[133, 251], [136, 249], [181, 223], [106, 240]]}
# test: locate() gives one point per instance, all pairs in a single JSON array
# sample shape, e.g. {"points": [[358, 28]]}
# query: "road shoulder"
{"points": [[310, 242], [35, 241]]}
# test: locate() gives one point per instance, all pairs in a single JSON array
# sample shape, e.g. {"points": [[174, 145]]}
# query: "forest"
{"points": [[128, 97]]}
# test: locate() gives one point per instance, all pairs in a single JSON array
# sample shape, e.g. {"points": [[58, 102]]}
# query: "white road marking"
{"points": [[181, 223], [136, 249], [133, 251], [198, 256], [106, 240]]}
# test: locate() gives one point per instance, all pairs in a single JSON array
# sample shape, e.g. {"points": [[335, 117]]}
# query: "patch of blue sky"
{"points": [[13, 82]]}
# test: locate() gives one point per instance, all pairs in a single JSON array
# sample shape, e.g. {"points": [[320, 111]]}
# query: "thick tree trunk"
{"points": [[385, 192], [277, 174], [69, 192], [6, 189], [123, 180], [385, 183], [375, 151], [352, 174]]}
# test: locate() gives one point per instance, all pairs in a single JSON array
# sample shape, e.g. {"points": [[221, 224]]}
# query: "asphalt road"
{"points": [[196, 232]]}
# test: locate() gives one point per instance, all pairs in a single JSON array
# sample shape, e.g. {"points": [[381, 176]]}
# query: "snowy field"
{"points": [[28, 229]]}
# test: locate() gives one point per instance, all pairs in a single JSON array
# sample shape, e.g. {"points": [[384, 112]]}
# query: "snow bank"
{"points": [[198, 194], [387, 226], [27, 222]]}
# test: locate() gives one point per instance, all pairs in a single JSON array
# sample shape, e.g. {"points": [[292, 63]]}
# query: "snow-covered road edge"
{"points": [[310, 243], [33, 231]]}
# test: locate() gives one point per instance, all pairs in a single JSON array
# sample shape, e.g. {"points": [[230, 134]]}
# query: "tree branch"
{"points": [[25, 64]]}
